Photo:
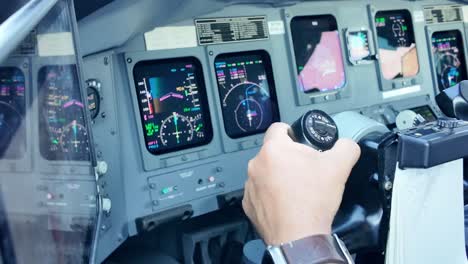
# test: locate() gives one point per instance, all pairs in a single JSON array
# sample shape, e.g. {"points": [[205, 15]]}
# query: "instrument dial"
{"points": [[176, 130], [74, 139]]}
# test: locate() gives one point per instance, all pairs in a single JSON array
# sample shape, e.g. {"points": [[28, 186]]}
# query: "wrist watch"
{"points": [[318, 249]]}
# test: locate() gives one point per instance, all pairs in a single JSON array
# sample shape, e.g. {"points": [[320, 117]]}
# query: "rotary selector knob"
{"points": [[316, 129], [447, 123]]}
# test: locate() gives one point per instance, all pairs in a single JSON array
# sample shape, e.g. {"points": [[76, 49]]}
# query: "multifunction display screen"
{"points": [[358, 46], [63, 134], [318, 52], [449, 58], [397, 45], [173, 104], [12, 113], [247, 92]]}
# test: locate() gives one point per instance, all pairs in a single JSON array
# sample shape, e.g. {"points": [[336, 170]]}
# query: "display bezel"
{"points": [[75, 167], [249, 142], [311, 18], [412, 84], [24, 163], [271, 87], [149, 161], [46, 154], [437, 28], [329, 97], [366, 60], [203, 98], [463, 51]]}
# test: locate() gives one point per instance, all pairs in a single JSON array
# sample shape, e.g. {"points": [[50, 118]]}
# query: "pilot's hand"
{"points": [[294, 191]]}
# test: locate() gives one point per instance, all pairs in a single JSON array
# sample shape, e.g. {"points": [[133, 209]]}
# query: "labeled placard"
{"points": [[231, 29], [443, 14]]}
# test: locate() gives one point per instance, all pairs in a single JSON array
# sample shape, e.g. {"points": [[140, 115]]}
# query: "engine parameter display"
{"points": [[63, 135], [449, 58], [318, 53], [397, 46], [173, 104], [247, 92], [12, 113]]}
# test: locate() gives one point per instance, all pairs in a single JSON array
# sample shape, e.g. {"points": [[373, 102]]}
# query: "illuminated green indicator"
{"points": [[151, 128], [199, 127], [301, 68], [187, 109], [55, 141], [405, 28], [380, 20], [166, 190]]}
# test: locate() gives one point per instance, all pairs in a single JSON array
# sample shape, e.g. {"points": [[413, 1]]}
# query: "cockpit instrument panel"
{"points": [[318, 53], [449, 58], [173, 104], [397, 45], [63, 135], [247, 92], [12, 113]]}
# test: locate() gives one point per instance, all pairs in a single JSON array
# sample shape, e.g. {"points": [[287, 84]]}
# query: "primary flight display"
{"points": [[63, 134], [173, 104]]}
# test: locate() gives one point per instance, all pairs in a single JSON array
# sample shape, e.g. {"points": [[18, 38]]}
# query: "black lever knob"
{"points": [[316, 129]]}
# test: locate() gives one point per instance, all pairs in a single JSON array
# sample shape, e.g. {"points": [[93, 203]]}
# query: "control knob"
{"points": [[316, 129]]}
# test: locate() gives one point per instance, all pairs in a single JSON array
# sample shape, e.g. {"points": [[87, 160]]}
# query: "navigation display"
{"points": [[63, 135], [173, 104], [449, 58], [318, 52], [397, 45], [12, 113], [247, 92]]}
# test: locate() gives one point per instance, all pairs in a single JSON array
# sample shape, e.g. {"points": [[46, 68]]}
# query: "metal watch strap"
{"points": [[318, 249]]}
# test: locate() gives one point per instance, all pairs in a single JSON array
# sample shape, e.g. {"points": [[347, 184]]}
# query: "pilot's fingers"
{"points": [[346, 153], [277, 132]]}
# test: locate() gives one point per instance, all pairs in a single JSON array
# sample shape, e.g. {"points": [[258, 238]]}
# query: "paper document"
{"points": [[427, 217]]}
